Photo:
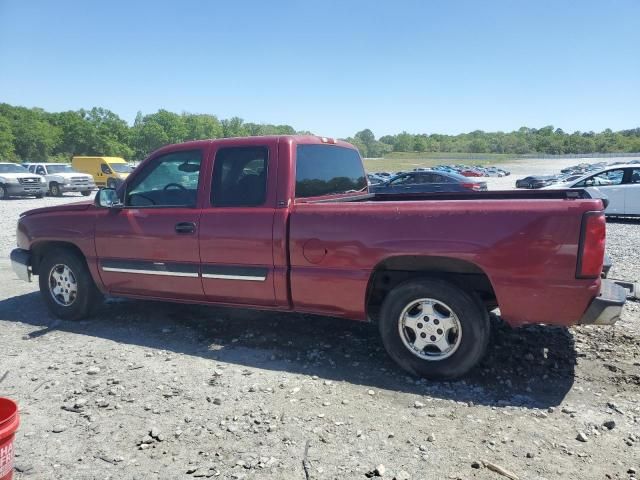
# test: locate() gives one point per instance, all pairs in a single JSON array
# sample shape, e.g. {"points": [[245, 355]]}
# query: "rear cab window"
{"points": [[240, 177], [323, 170]]}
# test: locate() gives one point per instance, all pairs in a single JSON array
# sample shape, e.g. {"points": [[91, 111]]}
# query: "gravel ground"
{"points": [[153, 390]]}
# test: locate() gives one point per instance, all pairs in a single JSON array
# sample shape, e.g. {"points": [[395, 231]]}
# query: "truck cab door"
{"points": [[632, 193], [609, 183], [237, 223], [149, 246]]}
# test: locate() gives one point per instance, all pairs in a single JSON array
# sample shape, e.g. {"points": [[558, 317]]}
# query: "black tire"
{"points": [[86, 193], [39, 195], [87, 295], [54, 189], [471, 315], [3, 192]]}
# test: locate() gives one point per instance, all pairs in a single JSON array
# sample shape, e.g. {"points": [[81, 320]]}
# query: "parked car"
{"points": [[620, 184], [16, 181], [428, 181], [535, 181], [286, 223], [106, 171], [472, 172], [61, 178]]}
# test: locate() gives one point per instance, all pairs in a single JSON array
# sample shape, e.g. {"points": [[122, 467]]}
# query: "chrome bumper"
{"points": [[70, 187], [606, 308], [21, 263]]}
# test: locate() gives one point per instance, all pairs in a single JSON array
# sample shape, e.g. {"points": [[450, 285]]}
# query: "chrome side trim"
{"points": [[150, 272], [234, 277]]}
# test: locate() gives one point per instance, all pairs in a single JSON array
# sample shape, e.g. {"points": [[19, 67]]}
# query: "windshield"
{"points": [[61, 168], [11, 168], [327, 170], [121, 167]]}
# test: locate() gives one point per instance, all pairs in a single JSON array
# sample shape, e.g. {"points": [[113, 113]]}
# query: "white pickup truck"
{"points": [[16, 181], [61, 178]]}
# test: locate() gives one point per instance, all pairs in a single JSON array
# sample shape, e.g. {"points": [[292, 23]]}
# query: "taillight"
{"points": [[472, 186], [591, 247]]}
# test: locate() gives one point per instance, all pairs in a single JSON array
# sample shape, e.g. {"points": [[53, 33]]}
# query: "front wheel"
{"points": [[86, 193], [433, 328], [66, 285], [54, 189]]}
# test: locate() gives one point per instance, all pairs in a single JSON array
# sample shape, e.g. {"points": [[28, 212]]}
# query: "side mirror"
{"points": [[108, 198]]}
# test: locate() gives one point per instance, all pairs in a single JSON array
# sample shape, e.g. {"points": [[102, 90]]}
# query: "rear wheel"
{"points": [[66, 285], [86, 193], [433, 328], [54, 189]]}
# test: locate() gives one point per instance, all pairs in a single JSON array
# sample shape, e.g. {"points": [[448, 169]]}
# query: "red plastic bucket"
{"points": [[9, 421]]}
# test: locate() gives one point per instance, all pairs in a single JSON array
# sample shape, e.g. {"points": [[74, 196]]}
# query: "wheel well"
{"points": [[393, 271], [39, 250]]}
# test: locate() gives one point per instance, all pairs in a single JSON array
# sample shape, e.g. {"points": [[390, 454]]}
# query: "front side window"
{"points": [[239, 177], [121, 168], [40, 170], [635, 176], [170, 180], [328, 170], [603, 179], [105, 169]]}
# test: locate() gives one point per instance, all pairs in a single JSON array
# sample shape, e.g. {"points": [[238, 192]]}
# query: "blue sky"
{"points": [[332, 67]]}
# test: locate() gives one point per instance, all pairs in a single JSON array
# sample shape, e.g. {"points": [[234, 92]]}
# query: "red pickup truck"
{"points": [[287, 223]]}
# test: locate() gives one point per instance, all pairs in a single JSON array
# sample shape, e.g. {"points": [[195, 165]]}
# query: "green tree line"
{"points": [[547, 140], [34, 134]]}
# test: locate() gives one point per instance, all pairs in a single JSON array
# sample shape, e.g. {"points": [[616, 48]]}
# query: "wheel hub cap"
{"points": [[430, 329], [63, 286]]}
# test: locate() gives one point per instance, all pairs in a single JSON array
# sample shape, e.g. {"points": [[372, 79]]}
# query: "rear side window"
{"points": [[327, 169], [240, 177]]}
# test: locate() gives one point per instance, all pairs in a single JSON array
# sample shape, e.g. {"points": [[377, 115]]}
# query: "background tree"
{"points": [[6, 140], [33, 134]]}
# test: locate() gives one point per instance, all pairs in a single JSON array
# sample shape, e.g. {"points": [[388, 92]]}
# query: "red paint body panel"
{"points": [[527, 248], [147, 234], [319, 257]]}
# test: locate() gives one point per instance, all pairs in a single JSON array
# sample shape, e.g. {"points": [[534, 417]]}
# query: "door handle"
{"points": [[185, 227]]}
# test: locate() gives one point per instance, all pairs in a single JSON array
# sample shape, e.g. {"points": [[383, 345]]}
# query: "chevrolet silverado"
{"points": [[287, 223]]}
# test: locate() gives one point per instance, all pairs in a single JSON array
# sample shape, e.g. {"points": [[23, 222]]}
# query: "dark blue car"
{"points": [[429, 181]]}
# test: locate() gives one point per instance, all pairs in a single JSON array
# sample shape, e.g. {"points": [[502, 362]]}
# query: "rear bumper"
{"points": [[21, 263], [606, 308]]}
